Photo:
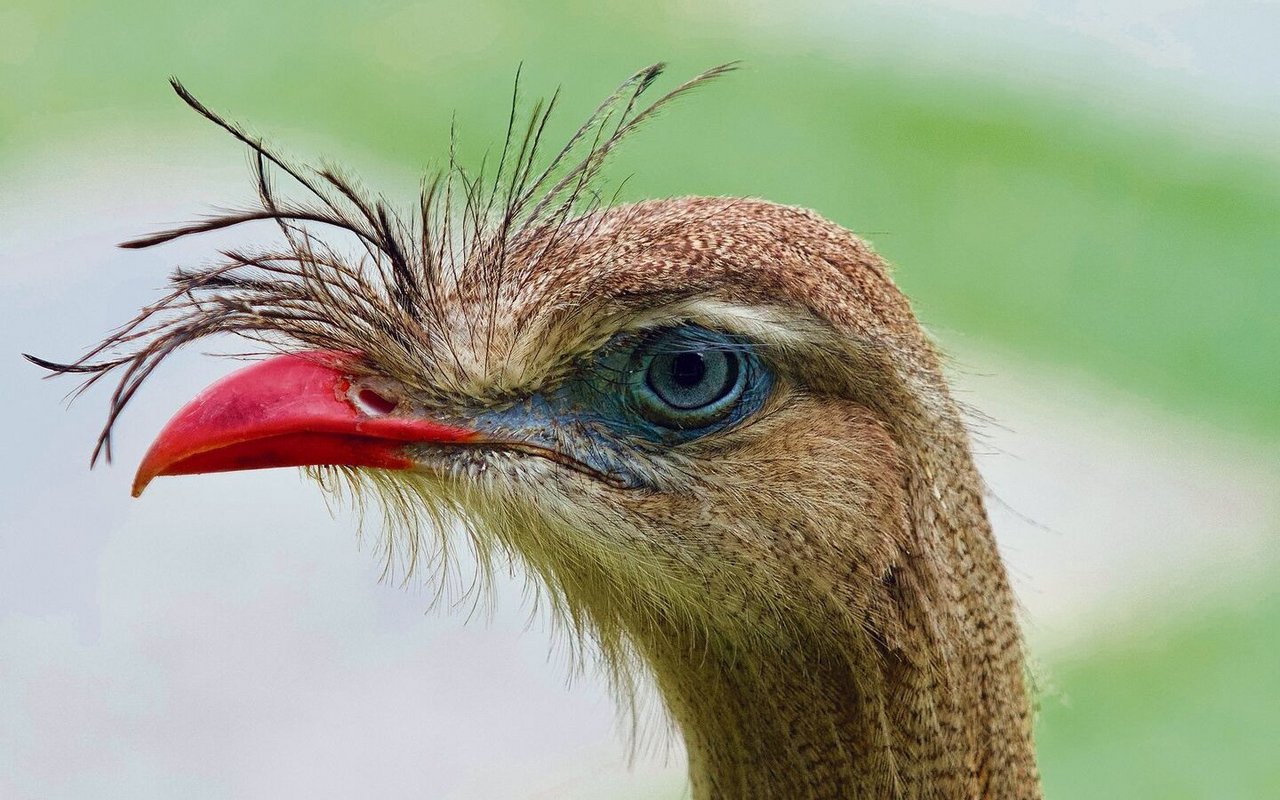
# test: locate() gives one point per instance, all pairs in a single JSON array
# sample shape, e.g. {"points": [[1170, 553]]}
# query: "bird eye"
{"points": [[688, 381]]}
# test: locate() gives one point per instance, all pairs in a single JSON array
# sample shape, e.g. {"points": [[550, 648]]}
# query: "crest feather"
{"points": [[388, 302]]}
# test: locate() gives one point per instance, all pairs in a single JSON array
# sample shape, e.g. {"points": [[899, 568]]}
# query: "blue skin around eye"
{"points": [[594, 417]]}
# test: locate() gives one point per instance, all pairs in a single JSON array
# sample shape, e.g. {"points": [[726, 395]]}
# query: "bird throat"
{"points": [[913, 690]]}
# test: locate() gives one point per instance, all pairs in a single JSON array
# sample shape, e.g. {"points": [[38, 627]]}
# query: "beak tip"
{"points": [[139, 486], [142, 479]]}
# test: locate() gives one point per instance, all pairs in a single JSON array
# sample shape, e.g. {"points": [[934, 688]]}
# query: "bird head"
{"points": [[647, 409], [710, 428]]}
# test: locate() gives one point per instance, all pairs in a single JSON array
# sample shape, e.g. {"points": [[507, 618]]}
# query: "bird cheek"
{"points": [[556, 431]]}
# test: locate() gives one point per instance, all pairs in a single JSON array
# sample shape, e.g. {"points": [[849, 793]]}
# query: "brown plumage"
{"points": [[814, 588]]}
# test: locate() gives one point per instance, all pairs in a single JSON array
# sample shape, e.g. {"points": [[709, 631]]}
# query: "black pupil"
{"points": [[688, 369]]}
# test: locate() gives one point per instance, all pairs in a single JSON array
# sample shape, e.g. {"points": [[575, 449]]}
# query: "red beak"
{"points": [[289, 411]]}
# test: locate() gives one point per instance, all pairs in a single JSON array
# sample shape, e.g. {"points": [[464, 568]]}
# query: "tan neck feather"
{"points": [[912, 690]]}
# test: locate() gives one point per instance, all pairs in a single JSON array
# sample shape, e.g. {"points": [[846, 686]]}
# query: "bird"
{"points": [[710, 429]]}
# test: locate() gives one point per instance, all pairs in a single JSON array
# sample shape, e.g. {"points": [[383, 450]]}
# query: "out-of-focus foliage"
{"points": [[1052, 230], [1185, 712]]}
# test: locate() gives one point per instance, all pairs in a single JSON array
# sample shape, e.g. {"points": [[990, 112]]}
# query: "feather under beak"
{"points": [[291, 411]]}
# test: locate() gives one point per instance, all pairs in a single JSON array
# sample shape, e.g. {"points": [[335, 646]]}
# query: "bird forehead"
{"points": [[633, 259]]}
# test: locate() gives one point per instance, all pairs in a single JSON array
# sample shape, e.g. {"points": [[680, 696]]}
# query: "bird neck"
{"points": [[804, 725], [905, 682]]}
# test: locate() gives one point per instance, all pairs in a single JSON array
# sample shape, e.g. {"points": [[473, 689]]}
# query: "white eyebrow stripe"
{"points": [[769, 325]]}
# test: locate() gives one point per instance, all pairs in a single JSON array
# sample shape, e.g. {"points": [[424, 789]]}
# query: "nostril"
{"points": [[374, 404]]}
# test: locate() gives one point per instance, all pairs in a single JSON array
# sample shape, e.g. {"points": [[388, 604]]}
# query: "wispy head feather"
{"points": [[387, 301]]}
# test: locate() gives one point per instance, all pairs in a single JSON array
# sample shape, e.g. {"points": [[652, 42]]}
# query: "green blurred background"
{"points": [[1090, 222]]}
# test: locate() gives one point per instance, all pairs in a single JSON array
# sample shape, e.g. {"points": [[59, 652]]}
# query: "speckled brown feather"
{"points": [[816, 591], [927, 695]]}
